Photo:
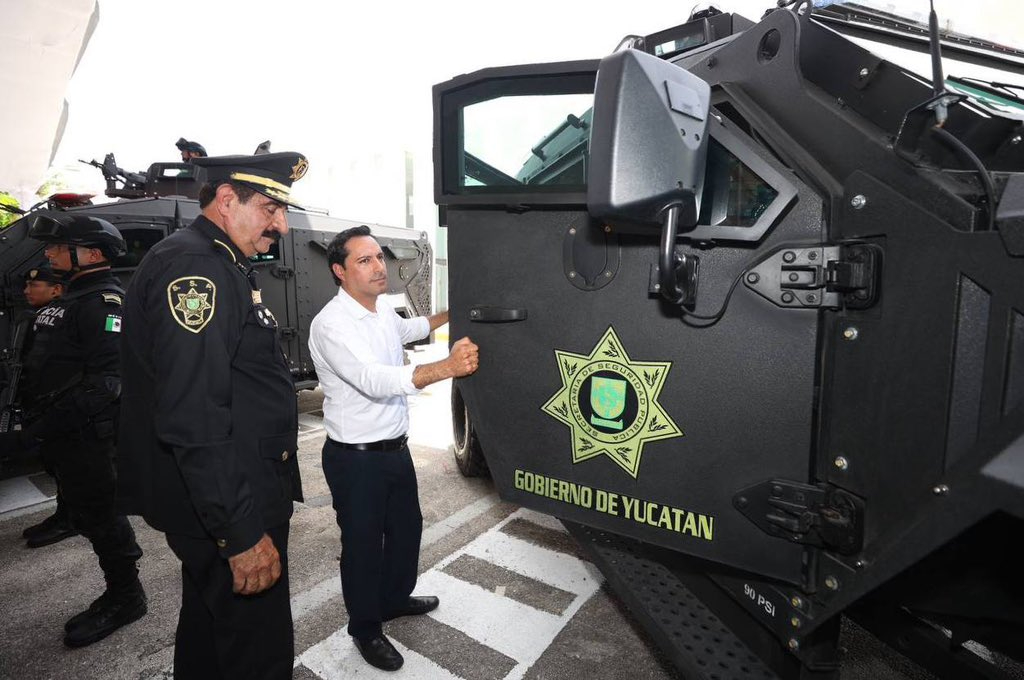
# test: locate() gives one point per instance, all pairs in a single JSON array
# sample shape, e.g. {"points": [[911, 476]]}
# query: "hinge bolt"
{"points": [[572, 275], [795, 622], [607, 229], [753, 277], [796, 601], [858, 201], [794, 644], [788, 256], [787, 297], [940, 490], [572, 230], [864, 72], [831, 582], [841, 462], [850, 333]]}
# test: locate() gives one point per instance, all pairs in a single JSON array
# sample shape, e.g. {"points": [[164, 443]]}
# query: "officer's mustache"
{"points": [[272, 235]]}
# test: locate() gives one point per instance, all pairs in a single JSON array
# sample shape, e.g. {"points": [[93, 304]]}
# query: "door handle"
{"points": [[496, 314]]}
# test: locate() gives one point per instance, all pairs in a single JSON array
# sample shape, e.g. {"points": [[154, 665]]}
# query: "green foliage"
{"points": [[52, 185], [7, 217]]}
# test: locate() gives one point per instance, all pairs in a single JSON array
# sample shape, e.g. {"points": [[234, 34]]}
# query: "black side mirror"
{"points": [[648, 149], [648, 144]]}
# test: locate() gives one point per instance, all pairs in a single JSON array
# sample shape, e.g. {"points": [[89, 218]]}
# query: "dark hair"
{"points": [[337, 252], [209, 191]]}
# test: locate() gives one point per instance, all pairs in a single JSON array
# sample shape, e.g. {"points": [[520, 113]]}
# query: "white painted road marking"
{"points": [[512, 628], [336, 658]]}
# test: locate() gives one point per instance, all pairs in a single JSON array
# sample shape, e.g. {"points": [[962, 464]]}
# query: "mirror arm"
{"points": [[677, 275], [668, 261]]}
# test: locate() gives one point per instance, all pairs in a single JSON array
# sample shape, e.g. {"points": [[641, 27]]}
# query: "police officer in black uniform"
{"points": [[209, 422], [42, 287], [72, 385]]}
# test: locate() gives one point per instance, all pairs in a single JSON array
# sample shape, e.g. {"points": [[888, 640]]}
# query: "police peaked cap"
{"points": [[271, 174], [78, 230], [43, 273], [185, 145]]}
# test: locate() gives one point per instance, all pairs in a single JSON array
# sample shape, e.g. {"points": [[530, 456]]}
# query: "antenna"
{"points": [[938, 80]]}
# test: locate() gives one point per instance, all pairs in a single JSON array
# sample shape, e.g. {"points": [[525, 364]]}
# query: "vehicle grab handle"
{"points": [[496, 314]]}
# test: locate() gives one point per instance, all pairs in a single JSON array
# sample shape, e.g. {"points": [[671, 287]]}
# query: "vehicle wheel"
{"points": [[468, 455]]}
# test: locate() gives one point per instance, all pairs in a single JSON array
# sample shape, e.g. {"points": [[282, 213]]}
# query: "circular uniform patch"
{"points": [[192, 300]]}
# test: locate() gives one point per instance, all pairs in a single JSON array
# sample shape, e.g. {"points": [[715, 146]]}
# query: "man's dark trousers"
{"points": [[375, 497], [225, 635], [85, 470]]}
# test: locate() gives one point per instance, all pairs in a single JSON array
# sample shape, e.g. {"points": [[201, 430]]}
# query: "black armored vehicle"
{"points": [[750, 307], [294, 276]]}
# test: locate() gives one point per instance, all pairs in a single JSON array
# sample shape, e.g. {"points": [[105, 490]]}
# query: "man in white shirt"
{"points": [[356, 346]]}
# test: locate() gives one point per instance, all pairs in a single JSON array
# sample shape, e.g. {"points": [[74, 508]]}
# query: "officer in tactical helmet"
{"points": [[189, 150], [72, 386], [42, 287]]}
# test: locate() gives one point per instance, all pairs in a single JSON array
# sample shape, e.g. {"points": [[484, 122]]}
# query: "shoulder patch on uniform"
{"points": [[112, 324], [113, 298], [192, 301]]}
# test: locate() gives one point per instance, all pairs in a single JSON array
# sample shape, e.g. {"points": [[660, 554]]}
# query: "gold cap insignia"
{"points": [[299, 169]]}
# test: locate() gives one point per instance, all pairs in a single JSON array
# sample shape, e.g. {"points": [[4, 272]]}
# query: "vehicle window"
{"points": [[526, 141], [734, 195], [138, 241]]}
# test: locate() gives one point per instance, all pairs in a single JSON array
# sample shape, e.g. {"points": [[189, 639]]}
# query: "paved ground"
{"points": [[517, 601]]}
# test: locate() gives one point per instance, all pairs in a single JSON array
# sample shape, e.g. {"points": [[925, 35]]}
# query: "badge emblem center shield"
{"points": [[608, 399]]}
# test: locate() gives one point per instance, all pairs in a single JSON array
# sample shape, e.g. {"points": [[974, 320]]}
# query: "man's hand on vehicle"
{"points": [[257, 568], [464, 358]]}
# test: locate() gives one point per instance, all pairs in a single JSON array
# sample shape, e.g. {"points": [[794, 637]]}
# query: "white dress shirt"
{"points": [[358, 358]]}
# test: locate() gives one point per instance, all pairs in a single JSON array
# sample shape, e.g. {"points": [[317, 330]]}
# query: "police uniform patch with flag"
{"points": [[112, 324], [192, 300]]}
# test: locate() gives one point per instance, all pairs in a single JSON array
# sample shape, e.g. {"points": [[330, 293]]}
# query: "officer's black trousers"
{"points": [[375, 497], [224, 635], [86, 475]]}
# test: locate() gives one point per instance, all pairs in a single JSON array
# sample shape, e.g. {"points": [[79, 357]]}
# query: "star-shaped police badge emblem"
{"points": [[610, 403], [192, 302]]}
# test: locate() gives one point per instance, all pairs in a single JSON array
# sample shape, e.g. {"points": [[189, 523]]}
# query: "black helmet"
{"points": [[185, 145], [79, 230]]}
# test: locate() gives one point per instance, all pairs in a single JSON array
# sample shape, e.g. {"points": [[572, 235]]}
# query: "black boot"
{"points": [[54, 528], [51, 530], [115, 608]]}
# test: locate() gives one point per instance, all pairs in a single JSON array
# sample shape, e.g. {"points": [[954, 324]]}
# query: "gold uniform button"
{"points": [[221, 543], [284, 455]]}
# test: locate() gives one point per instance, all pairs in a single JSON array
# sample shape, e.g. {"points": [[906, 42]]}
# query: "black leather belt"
{"points": [[395, 444]]}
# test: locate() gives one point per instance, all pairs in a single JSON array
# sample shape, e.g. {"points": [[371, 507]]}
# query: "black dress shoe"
{"points": [[380, 653], [51, 533], [104, 616], [416, 605]]}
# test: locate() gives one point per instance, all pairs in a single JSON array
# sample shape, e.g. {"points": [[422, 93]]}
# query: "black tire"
{"points": [[468, 454]]}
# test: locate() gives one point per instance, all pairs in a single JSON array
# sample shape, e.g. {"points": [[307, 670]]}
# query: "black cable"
{"points": [[717, 316], [986, 178]]}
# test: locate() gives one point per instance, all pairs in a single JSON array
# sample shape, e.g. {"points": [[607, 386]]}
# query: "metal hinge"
{"points": [[282, 271], [824, 516], [287, 332], [821, 276]]}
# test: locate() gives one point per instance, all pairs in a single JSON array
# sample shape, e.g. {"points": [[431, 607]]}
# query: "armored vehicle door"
{"points": [[598, 400]]}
